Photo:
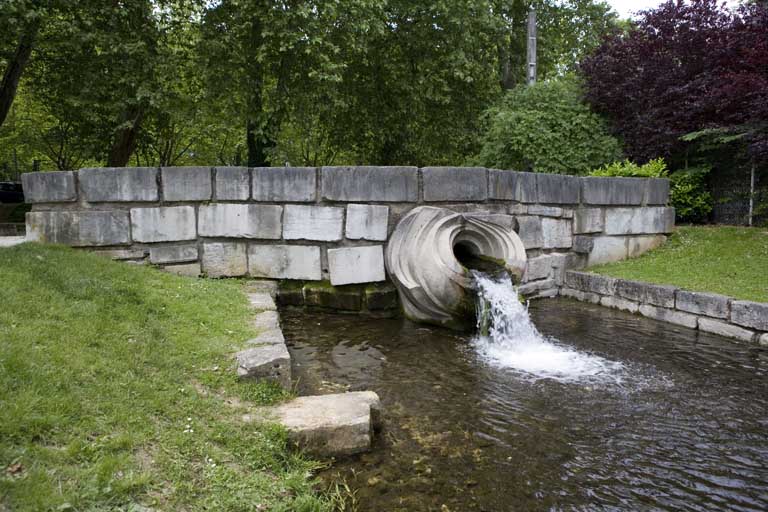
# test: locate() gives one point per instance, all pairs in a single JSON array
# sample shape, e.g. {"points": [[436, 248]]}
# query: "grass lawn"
{"points": [[729, 260], [117, 391]]}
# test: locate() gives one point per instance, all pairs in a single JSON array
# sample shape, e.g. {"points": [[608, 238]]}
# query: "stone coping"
{"points": [[708, 312]]}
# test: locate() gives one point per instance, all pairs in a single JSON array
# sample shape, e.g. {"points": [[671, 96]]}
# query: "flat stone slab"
{"points": [[273, 336], [49, 187], [328, 425], [268, 362], [10, 241], [267, 321], [262, 300]]}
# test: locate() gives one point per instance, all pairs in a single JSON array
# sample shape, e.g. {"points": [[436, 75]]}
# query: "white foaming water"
{"points": [[509, 339]]}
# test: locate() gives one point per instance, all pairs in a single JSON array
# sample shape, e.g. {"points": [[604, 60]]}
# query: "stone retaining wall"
{"points": [[332, 223], [717, 314]]}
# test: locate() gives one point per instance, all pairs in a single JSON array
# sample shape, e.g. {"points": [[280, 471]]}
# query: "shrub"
{"points": [[546, 128], [653, 169]]}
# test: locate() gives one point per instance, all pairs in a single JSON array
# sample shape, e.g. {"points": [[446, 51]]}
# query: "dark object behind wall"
{"points": [[731, 191]]}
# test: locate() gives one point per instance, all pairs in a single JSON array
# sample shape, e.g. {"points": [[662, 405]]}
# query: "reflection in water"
{"points": [[686, 428]]}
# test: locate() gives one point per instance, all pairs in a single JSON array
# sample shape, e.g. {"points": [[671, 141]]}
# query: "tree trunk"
{"points": [[126, 137], [15, 69]]}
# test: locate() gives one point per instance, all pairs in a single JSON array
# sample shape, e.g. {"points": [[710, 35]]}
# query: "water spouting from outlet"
{"points": [[508, 338]]}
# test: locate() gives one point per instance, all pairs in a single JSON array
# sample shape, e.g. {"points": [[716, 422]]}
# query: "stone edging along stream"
{"points": [[717, 314], [324, 425]]}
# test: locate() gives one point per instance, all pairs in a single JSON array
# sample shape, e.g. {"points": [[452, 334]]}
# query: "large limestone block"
{"points": [[295, 184], [329, 425], [285, 262], [613, 191], [267, 362], [530, 231], [186, 269], [543, 267], [186, 183], [49, 187], [588, 220], [233, 184], [658, 191], [557, 189], [556, 233], [382, 184], [725, 329], [79, 228], [619, 303], [322, 223], [163, 224], [512, 186], [750, 314], [231, 220], [669, 315], [225, 259], [119, 184], [331, 297], [657, 295], [177, 253], [588, 282], [709, 304], [637, 221], [455, 183], [606, 249], [367, 222], [637, 245], [348, 265]]}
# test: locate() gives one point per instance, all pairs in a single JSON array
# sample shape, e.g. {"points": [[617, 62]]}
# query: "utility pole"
{"points": [[531, 74]]}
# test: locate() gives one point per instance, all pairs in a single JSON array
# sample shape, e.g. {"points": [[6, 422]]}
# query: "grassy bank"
{"points": [[729, 260], [116, 390]]}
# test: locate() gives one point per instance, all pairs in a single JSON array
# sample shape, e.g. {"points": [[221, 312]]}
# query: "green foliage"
{"points": [[653, 169], [717, 259], [119, 391], [546, 128], [688, 194]]}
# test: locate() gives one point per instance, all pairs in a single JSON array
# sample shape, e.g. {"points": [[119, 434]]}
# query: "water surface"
{"points": [[684, 428]]}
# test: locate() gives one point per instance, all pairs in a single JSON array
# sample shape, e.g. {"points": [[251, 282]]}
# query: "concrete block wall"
{"points": [[332, 223], [708, 312]]}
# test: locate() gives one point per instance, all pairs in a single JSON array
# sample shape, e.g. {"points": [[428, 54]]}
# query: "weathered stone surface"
{"points": [[233, 220], [530, 232], [556, 233], [295, 184], [290, 293], [606, 249], [763, 340], [179, 253], [547, 211], [119, 184], [272, 336], [233, 184], [79, 228], [588, 220], [188, 269], [268, 362], [517, 209], [660, 295], [725, 329], [122, 254], [186, 183], [750, 314], [537, 287], [367, 222], [348, 265], [384, 184], [619, 303], [329, 425], [538, 268], [285, 262], [267, 286], [583, 244], [557, 188], [381, 297], [163, 224], [613, 191], [49, 187], [224, 259], [512, 186], [325, 296], [455, 183], [708, 304], [588, 282], [580, 295], [658, 191], [637, 245], [669, 315], [312, 223], [633, 290], [267, 321], [637, 221], [261, 301]]}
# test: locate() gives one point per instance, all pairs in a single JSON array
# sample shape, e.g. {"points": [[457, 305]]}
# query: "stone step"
{"points": [[262, 301], [270, 362], [327, 425]]}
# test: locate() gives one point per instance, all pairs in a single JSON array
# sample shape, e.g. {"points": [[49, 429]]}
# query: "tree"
{"points": [[546, 127]]}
